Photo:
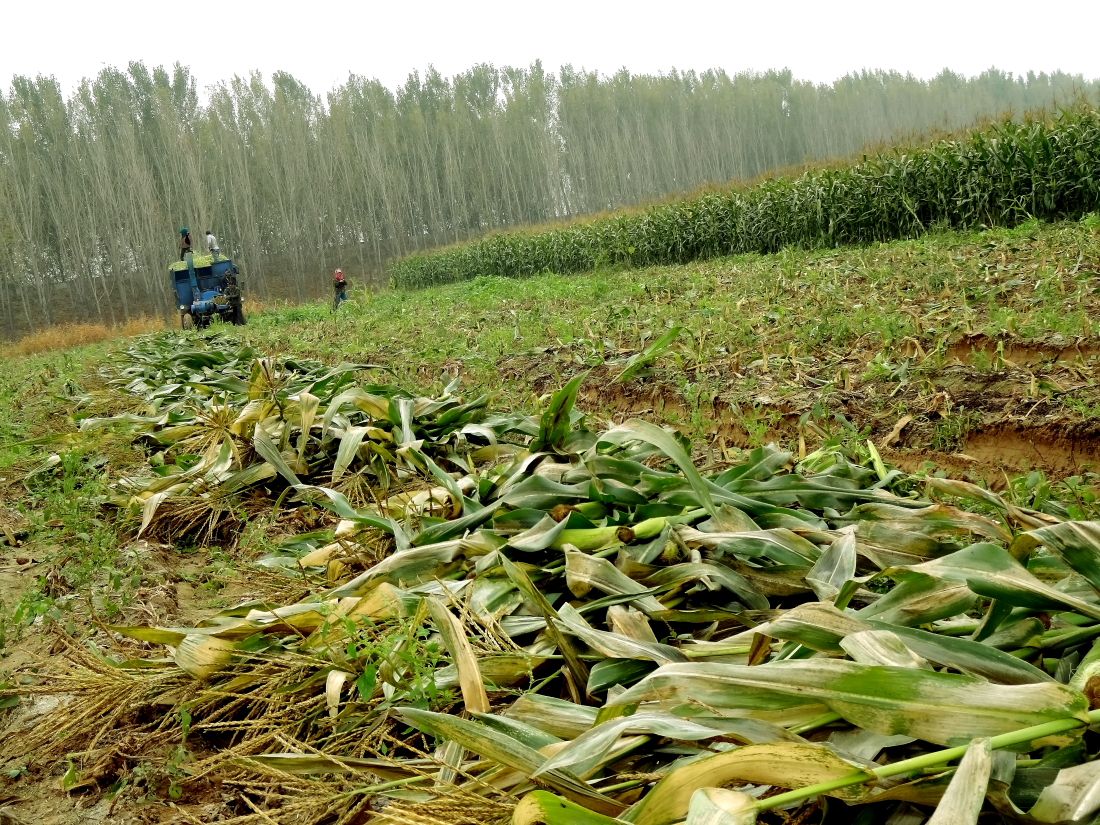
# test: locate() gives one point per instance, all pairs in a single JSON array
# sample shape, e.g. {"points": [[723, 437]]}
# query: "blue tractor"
{"points": [[206, 286]]}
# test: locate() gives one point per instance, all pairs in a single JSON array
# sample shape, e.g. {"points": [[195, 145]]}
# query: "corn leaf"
{"points": [[835, 567], [590, 750], [637, 430], [786, 764], [350, 442], [202, 656], [584, 572], [962, 803], [990, 571], [545, 808], [557, 421], [1073, 797], [937, 707], [639, 360], [505, 750], [1076, 542], [269, 451], [721, 806], [469, 675]]}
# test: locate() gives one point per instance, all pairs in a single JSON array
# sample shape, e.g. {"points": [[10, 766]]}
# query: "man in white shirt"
{"points": [[212, 244]]}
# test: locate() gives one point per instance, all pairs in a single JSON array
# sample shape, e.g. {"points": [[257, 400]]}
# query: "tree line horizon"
{"points": [[94, 185]]}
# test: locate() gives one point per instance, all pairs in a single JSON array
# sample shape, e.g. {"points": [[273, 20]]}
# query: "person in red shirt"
{"points": [[340, 288]]}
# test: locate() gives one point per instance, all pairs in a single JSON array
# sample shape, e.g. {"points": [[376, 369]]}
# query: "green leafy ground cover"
{"points": [[983, 336]]}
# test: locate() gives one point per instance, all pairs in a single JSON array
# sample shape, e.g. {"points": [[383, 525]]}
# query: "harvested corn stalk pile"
{"points": [[518, 619]]}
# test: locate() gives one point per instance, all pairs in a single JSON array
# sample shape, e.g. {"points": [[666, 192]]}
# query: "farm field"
{"points": [[933, 408], [979, 348]]}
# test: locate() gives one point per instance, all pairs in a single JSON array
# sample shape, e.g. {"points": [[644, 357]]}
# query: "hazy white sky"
{"points": [[322, 41]]}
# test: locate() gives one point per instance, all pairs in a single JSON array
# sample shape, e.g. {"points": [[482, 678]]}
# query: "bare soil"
{"points": [[1020, 353], [986, 411], [1062, 450]]}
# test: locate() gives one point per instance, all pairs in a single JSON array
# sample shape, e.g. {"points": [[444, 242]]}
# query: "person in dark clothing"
{"points": [[185, 242], [340, 288]]}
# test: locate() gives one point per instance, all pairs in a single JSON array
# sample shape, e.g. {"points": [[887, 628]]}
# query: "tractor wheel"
{"points": [[187, 321], [238, 315]]}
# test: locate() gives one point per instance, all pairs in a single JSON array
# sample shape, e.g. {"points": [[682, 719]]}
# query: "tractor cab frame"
{"points": [[207, 286]]}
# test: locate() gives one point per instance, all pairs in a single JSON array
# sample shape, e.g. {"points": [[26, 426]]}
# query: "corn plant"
{"points": [[1001, 175]]}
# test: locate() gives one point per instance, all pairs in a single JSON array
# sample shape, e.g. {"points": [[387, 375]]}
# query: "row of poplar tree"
{"points": [[94, 185]]}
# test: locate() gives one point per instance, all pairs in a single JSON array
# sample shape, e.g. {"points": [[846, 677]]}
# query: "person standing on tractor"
{"points": [[340, 288], [185, 242], [212, 244]]}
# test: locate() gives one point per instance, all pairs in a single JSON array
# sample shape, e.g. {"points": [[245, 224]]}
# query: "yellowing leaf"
{"points": [[785, 764]]}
